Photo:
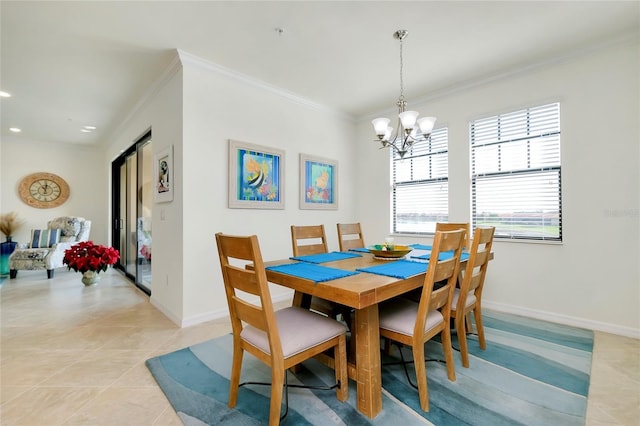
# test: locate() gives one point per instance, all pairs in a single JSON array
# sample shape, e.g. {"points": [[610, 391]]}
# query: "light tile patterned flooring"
{"points": [[72, 355]]}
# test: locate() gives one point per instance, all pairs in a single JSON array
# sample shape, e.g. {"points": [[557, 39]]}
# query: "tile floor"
{"points": [[72, 355]]}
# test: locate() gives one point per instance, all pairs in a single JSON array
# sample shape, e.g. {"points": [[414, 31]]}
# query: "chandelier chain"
{"points": [[401, 70]]}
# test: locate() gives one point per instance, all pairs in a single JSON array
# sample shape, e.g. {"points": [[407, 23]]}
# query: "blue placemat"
{"points": [[326, 257], [311, 271], [420, 247], [360, 249], [443, 256], [397, 269]]}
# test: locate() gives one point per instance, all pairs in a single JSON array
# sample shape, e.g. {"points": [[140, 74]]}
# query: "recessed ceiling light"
{"points": [[4, 94], [85, 130], [15, 129], [90, 127]]}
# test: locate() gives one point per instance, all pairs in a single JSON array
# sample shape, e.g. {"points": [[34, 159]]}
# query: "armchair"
{"points": [[49, 256]]}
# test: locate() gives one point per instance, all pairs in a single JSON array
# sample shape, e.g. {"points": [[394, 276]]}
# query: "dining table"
{"points": [[359, 280]]}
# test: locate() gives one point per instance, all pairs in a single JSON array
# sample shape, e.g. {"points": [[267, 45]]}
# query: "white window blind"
{"points": [[419, 185], [516, 173]]}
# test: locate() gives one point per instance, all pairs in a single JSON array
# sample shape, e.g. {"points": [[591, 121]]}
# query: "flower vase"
{"points": [[90, 278], [6, 248]]}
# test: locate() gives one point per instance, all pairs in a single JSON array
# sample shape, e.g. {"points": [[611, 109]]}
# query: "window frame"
{"points": [[416, 153], [535, 131]]}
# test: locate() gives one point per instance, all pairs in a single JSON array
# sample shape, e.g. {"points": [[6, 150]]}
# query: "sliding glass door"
{"points": [[132, 202]]}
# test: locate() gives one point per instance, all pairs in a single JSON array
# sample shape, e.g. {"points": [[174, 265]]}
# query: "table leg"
{"points": [[369, 374]]}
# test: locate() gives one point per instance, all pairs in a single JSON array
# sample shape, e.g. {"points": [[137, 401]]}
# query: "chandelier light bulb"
{"points": [[387, 133], [426, 125], [408, 119], [380, 125]]}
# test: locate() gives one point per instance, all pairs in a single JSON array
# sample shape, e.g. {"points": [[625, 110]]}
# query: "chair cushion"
{"points": [[69, 226], [299, 329], [471, 299], [44, 238], [29, 254], [399, 315]]}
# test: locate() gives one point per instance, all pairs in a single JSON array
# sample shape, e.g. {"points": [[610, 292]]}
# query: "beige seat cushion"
{"points": [[299, 329], [399, 315], [471, 299]]}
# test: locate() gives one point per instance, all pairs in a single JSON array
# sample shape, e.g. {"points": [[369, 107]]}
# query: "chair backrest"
{"points": [[452, 226], [309, 239], [350, 236], [438, 271], [235, 252], [476, 268]]}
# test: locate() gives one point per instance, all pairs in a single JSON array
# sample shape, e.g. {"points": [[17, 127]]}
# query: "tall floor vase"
{"points": [[6, 248]]}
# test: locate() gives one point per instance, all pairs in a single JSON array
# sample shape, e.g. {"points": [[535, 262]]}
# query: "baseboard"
{"points": [[564, 319], [166, 312]]}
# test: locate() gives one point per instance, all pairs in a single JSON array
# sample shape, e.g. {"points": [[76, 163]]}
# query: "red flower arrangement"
{"points": [[86, 256]]}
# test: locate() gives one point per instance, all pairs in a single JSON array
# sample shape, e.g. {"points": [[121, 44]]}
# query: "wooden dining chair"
{"points": [[468, 297], [280, 339], [413, 324], [350, 236], [306, 240], [452, 226]]}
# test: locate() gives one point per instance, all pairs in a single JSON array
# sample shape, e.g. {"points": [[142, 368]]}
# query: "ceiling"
{"points": [[86, 63]]}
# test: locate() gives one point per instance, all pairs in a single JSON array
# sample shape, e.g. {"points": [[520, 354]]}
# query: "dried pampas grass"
{"points": [[9, 223]]}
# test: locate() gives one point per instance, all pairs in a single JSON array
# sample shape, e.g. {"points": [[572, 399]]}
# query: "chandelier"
{"points": [[410, 129]]}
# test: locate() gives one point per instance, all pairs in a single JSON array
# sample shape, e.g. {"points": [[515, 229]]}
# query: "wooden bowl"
{"points": [[397, 252]]}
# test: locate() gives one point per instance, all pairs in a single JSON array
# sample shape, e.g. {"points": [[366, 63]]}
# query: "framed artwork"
{"points": [[163, 172], [318, 183], [256, 176]]}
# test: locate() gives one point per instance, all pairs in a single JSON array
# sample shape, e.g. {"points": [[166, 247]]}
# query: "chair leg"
{"points": [[13, 273], [469, 323], [234, 380], [340, 355], [50, 273], [277, 387], [448, 352], [462, 339], [477, 312], [421, 376]]}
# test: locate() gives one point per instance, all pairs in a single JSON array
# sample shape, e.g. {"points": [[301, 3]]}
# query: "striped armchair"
{"points": [[47, 246]]}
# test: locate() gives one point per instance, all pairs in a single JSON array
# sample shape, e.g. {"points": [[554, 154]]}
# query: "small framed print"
{"points": [[256, 176], [318, 183], [163, 172]]}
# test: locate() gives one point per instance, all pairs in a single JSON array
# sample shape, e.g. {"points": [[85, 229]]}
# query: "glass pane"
{"points": [[132, 204], [144, 220]]}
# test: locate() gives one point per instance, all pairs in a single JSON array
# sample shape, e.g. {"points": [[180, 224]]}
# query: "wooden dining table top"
{"points": [[356, 291]]}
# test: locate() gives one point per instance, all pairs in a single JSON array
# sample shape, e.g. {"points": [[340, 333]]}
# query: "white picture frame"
{"points": [[318, 183], [256, 176], [163, 175]]}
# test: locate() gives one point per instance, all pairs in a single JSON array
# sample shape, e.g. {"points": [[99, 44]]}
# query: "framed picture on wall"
{"points": [[163, 174], [318, 183], [256, 176]]}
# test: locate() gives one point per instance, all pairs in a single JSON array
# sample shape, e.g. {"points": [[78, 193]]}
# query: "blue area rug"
{"points": [[532, 373]]}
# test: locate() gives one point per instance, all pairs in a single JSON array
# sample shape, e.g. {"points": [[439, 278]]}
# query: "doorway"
{"points": [[132, 203]]}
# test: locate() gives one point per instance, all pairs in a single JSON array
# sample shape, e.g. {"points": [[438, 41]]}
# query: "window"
{"points": [[420, 188], [515, 173]]}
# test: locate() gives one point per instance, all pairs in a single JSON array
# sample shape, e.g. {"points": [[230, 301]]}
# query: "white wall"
{"points": [[593, 278], [161, 111], [83, 168], [219, 107]]}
